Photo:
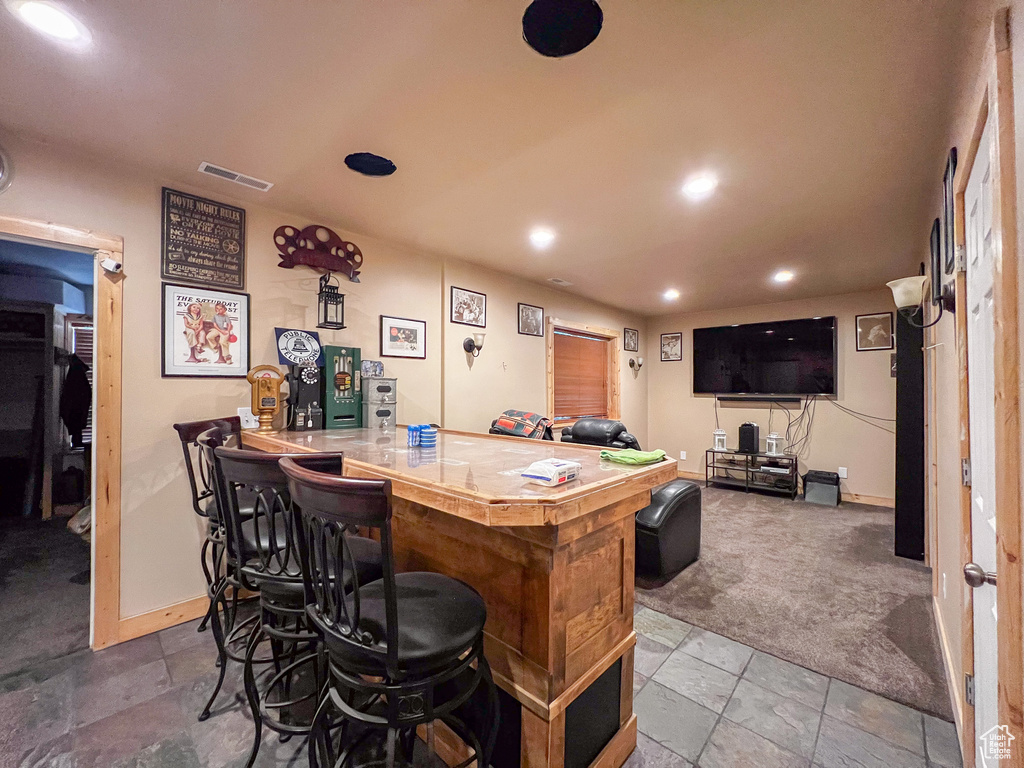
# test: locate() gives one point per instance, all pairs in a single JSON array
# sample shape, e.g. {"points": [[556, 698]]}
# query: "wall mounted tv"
{"points": [[791, 357]]}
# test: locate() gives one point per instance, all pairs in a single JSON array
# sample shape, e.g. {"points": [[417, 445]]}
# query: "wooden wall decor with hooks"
{"points": [[319, 247]]}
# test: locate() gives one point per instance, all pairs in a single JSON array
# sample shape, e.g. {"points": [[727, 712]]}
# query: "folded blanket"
{"points": [[630, 456]]}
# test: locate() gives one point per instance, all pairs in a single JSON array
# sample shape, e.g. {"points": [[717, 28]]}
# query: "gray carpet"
{"points": [[817, 586], [44, 593]]}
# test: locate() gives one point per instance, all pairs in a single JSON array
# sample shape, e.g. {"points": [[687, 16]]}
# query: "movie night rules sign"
{"points": [[203, 241]]}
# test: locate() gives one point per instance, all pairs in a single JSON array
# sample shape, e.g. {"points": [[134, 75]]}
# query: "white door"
{"points": [[981, 372]]}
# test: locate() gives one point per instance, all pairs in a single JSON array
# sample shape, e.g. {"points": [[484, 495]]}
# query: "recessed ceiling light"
{"points": [[700, 186], [671, 294], [769, 332], [783, 276], [542, 237], [52, 20]]}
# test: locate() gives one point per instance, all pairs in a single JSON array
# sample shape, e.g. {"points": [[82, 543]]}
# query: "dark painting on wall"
{"points": [[202, 241], [949, 246]]}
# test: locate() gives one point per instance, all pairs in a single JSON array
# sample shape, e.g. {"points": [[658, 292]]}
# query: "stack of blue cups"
{"points": [[428, 436]]}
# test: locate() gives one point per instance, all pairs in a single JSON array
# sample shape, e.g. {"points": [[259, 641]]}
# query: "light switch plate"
{"points": [[842, 472], [682, 455], [249, 421]]}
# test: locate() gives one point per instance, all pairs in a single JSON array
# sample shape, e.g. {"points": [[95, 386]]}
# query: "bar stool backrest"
{"points": [[328, 506], [199, 480], [275, 527]]}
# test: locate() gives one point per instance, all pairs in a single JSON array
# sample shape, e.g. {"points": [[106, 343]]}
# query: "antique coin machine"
{"points": [[343, 397]]}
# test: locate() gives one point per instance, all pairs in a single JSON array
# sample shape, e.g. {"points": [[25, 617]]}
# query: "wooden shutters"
{"points": [[79, 333], [581, 376]]}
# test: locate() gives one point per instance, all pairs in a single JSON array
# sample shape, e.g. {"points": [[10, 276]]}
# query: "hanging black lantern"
{"points": [[332, 304]]}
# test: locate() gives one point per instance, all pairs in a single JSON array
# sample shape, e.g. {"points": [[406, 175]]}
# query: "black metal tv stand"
{"points": [[760, 472]]}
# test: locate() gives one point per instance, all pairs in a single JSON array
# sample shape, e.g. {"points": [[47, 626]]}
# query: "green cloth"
{"points": [[630, 456]]}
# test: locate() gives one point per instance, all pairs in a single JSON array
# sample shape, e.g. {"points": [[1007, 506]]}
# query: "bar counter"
{"points": [[555, 566]]}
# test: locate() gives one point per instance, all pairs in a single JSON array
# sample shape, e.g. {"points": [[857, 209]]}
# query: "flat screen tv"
{"points": [[791, 357]]}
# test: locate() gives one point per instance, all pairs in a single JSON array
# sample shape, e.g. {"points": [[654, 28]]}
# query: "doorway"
{"points": [[102, 468], [46, 321]]}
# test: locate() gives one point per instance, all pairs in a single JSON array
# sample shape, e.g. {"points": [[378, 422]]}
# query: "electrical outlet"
{"points": [[682, 455], [842, 472]]}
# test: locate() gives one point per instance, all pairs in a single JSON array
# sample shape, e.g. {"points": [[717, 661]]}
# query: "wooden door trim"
{"points": [[106, 499], [996, 105], [1007, 391]]}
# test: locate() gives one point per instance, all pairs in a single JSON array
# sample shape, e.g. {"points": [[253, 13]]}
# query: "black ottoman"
{"points": [[668, 530]]}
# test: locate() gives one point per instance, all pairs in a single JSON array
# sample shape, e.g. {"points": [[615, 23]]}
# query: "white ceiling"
{"points": [[824, 119]]}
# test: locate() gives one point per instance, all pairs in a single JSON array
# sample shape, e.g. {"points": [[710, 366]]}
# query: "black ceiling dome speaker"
{"points": [[370, 164], [561, 27]]}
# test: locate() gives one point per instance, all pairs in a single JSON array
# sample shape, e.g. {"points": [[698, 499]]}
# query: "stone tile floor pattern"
{"points": [[703, 700]]}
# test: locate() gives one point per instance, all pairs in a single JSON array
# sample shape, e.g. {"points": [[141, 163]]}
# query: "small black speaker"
{"points": [[750, 438]]}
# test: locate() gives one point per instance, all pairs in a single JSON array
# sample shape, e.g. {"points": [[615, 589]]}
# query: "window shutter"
{"points": [[580, 376], [82, 345]]}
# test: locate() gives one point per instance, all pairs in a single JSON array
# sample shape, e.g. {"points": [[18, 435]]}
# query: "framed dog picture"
{"points": [[630, 340], [402, 337], [205, 333], [531, 320], [874, 332], [469, 307], [671, 347]]}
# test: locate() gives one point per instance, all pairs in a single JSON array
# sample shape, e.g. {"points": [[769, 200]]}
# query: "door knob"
{"points": [[975, 576]]}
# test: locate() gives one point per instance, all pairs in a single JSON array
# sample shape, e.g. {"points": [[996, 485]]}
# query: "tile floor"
{"points": [[701, 700], [704, 700]]}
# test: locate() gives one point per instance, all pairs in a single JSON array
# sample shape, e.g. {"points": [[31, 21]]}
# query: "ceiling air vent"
{"points": [[238, 178], [559, 281]]}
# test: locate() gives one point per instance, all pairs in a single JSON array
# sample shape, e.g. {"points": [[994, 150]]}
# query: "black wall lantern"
{"points": [[331, 301]]}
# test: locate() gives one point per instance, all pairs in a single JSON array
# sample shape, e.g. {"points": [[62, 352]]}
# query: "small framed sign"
{"points": [[630, 340], [402, 337], [671, 347], [205, 333], [202, 241], [874, 332]]}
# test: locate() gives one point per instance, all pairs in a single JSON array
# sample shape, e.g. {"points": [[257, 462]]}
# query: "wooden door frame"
{"points": [[614, 364], [996, 104], [106, 491]]}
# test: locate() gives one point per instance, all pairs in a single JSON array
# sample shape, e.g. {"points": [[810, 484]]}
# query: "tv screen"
{"points": [[792, 357]]}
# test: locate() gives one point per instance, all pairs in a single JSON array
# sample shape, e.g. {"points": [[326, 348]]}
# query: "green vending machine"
{"points": [[343, 398]]}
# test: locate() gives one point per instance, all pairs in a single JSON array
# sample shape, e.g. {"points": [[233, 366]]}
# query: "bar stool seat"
{"points": [[439, 619], [365, 553]]}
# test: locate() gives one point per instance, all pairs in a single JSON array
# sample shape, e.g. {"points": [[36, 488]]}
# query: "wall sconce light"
{"points": [[475, 344], [908, 293], [331, 309], [637, 364]]}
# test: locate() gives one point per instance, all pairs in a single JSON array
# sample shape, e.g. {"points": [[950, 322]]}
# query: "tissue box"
{"points": [[552, 472]]}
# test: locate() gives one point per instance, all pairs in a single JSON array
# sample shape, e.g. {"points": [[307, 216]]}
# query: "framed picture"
{"points": [[469, 307], [671, 347], [402, 337], [874, 332], [630, 340], [935, 272], [531, 320], [202, 241], [205, 333], [949, 247]]}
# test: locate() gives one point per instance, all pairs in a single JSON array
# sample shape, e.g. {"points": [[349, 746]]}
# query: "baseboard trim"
{"points": [[954, 686], [874, 501], [687, 475], [162, 618]]}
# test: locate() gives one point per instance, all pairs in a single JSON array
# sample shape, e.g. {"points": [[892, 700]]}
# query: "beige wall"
{"points": [[160, 537], [682, 421], [510, 372]]}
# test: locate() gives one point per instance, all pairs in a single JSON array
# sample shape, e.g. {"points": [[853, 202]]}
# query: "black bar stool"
{"points": [[204, 504], [229, 635], [403, 651], [284, 695]]}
